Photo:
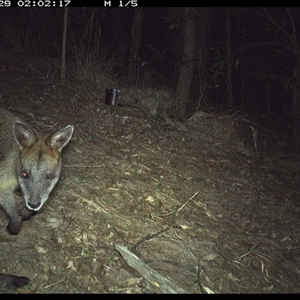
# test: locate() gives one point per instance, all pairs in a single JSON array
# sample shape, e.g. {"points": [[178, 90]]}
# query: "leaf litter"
{"points": [[201, 209]]}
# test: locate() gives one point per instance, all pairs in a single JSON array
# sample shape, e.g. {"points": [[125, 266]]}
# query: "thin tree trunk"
{"points": [[202, 46], [175, 13], [296, 114], [186, 71], [63, 54], [136, 41], [229, 60]]}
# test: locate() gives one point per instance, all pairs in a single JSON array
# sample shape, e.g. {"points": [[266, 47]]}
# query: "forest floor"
{"points": [[203, 208]]}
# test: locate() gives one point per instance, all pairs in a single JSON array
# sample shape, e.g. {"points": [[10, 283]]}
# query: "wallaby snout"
{"points": [[34, 206]]}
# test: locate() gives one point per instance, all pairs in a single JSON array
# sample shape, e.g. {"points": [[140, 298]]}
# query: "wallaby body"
{"points": [[28, 160]]}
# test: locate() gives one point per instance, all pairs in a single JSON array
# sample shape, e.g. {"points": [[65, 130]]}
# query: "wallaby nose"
{"points": [[34, 205]]}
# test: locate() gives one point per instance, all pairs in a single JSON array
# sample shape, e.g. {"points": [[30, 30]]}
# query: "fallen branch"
{"points": [[165, 285]]}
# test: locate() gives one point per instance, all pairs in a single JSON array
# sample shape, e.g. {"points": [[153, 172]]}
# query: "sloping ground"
{"points": [[198, 207]]}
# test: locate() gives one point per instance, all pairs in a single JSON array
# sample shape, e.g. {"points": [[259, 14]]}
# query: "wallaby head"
{"points": [[39, 164], [31, 161]]}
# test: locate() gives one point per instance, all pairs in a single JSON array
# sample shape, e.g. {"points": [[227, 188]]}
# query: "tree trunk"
{"points": [[186, 71], [199, 90], [175, 14], [135, 46], [64, 41], [229, 60], [296, 98], [296, 115]]}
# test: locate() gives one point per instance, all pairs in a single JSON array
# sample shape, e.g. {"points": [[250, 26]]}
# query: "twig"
{"points": [[148, 237], [79, 166], [255, 134], [180, 208], [249, 251]]}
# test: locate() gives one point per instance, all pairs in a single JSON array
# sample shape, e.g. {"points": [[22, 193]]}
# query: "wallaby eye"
{"points": [[24, 174]]}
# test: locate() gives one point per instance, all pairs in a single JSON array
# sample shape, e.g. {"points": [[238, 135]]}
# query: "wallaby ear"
{"points": [[23, 134], [61, 138]]}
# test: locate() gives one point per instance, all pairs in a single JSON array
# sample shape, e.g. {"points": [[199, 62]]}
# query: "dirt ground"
{"points": [[203, 208]]}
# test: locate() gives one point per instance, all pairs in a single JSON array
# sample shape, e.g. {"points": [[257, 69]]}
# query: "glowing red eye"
{"points": [[24, 174]]}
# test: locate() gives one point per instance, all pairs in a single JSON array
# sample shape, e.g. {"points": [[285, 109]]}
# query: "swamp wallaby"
{"points": [[28, 160]]}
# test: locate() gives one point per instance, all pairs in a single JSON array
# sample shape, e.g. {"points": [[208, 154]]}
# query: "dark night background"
{"points": [[263, 59], [198, 173]]}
